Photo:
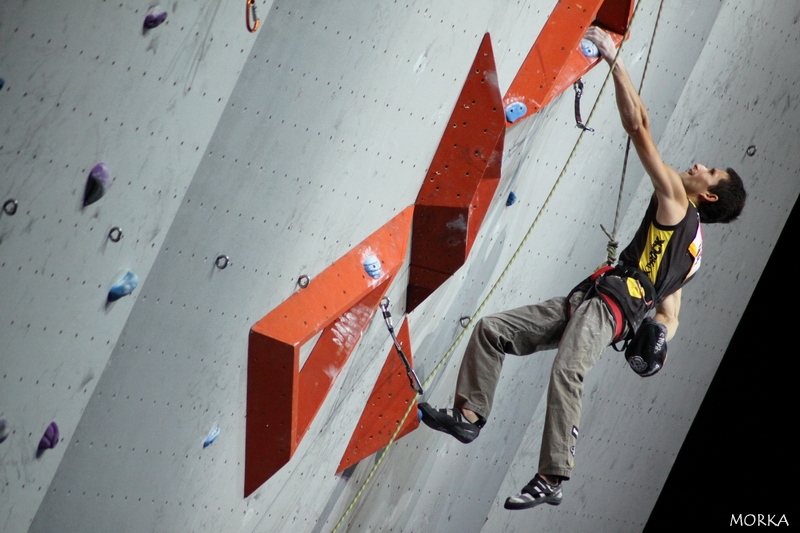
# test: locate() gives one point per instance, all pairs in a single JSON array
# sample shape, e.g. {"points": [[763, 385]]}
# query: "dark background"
{"points": [[738, 457]]}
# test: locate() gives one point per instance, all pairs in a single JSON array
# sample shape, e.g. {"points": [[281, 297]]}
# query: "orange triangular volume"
{"points": [[385, 408], [283, 396], [461, 181]]}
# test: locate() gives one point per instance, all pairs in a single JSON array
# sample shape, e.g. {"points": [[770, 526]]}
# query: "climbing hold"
{"points": [[373, 266], [155, 18], [511, 198], [212, 436], [589, 49], [98, 183], [751, 150], [515, 111], [3, 429], [115, 234], [464, 321], [10, 207], [2, 82], [123, 287], [50, 437], [419, 414], [222, 262], [303, 281]]}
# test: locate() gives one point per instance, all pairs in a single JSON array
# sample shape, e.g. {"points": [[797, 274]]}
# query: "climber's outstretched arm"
{"points": [[667, 182]]}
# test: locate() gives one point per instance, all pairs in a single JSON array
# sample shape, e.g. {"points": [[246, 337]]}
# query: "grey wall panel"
{"points": [[301, 137], [83, 84], [293, 145]]}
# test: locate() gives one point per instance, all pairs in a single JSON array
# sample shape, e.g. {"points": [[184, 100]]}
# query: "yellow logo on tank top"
{"points": [[653, 253]]}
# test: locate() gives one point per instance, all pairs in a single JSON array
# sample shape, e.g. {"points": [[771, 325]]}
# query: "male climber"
{"points": [[609, 306]]}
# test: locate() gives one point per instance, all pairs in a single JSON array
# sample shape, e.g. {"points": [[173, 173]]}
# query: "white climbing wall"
{"points": [[283, 149], [85, 83]]}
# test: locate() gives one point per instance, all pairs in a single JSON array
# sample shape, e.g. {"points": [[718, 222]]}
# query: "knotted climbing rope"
{"points": [[501, 277]]}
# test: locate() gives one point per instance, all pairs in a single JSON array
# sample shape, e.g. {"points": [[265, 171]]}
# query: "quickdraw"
{"points": [[578, 86], [251, 9], [412, 376]]}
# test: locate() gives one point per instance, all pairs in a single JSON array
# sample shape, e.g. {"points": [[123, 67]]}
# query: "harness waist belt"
{"points": [[627, 271]]}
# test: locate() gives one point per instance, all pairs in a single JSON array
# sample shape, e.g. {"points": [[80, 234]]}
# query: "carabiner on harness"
{"points": [[412, 376], [578, 86], [251, 9]]}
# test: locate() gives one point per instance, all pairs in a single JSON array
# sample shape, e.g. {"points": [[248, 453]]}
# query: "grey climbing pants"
{"points": [[580, 341]]}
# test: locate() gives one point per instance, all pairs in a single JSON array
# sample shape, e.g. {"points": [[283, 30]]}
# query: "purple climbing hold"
{"points": [[155, 18], [98, 183], [3, 429], [50, 437]]}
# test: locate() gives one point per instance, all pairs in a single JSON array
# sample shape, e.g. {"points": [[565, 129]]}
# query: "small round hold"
{"points": [[589, 49], [372, 266], [10, 207], [97, 184], [155, 18], [751, 150], [303, 281], [515, 111], [50, 437], [464, 321], [212, 436], [115, 234], [126, 284], [222, 262]]}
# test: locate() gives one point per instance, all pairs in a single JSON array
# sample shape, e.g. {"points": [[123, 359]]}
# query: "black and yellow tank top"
{"points": [[669, 255]]}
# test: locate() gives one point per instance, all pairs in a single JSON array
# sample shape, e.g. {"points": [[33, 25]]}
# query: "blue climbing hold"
{"points": [[155, 18], [3, 429], [419, 414], [2, 82], [515, 111], [212, 436], [511, 198], [50, 437], [123, 287], [97, 184], [589, 49], [372, 266]]}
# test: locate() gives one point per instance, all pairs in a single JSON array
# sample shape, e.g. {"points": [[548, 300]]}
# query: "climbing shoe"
{"points": [[451, 421], [536, 492]]}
